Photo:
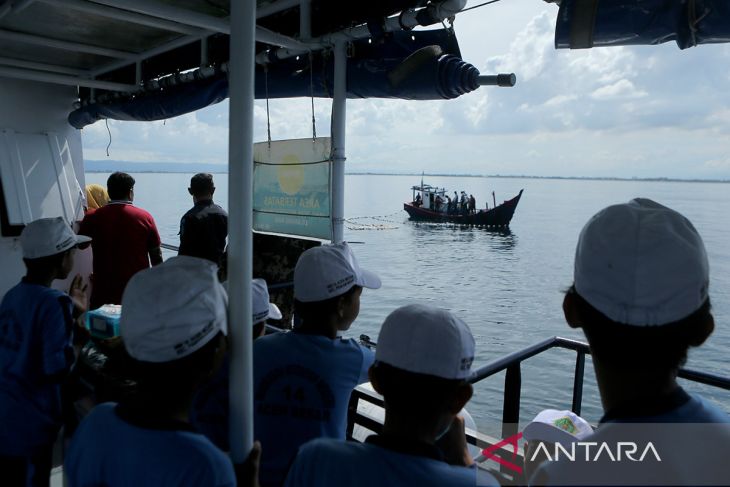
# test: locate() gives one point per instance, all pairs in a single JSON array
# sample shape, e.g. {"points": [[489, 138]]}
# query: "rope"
{"points": [[311, 92], [106, 121], [480, 5], [354, 224], [266, 89]]}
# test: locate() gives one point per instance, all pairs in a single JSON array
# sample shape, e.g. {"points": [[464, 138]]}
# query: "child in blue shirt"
{"points": [[36, 352]]}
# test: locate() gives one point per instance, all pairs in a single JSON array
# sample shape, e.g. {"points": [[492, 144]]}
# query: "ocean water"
{"points": [[508, 286]]}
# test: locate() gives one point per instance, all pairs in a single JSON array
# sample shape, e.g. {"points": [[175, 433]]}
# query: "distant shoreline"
{"points": [[501, 176]]}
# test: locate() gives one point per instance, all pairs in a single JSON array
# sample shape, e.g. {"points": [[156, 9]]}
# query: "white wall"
{"points": [[30, 107]]}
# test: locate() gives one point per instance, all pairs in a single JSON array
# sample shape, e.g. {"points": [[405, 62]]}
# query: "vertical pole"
{"points": [[580, 361], [512, 393], [339, 100], [240, 184], [305, 19]]}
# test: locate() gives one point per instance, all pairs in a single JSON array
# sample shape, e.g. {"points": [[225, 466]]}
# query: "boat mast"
{"points": [[240, 207]]}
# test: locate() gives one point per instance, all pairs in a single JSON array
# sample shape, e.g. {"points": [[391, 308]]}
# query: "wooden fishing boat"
{"points": [[432, 204]]}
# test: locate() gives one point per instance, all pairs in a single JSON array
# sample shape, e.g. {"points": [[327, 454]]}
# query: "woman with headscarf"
{"points": [[96, 197]]}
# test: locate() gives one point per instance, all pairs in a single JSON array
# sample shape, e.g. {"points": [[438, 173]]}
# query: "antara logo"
{"points": [[590, 451]]}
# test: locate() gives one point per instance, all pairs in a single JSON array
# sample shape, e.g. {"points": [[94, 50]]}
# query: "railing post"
{"points": [[512, 393], [580, 362]]}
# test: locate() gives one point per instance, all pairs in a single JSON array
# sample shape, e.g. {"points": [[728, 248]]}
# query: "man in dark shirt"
{"points": [[204, 228]]}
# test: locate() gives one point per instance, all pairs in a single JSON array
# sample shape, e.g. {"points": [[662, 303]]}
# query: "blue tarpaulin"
{"points": [[423, 65], [594, 23]]}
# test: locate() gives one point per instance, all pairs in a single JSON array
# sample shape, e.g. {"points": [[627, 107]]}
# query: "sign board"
{"points": [[291, 182]]}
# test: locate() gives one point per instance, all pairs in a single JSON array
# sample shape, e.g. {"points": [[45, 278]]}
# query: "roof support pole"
{"points": [[19, 63], [62, 79], [240, 207], [66, 45], [305, 19], [339, 118]]}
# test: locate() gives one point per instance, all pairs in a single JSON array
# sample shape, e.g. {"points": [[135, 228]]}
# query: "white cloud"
{"points": [[620, 89]]}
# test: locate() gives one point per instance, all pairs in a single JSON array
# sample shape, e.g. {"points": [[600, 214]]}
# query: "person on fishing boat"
{"points": [[422, 365], [472, 204], [37, 330], [303, 379], [641, 296], [204, 228], [125, 240], [418, 200], [174, 328], [209, 411]]}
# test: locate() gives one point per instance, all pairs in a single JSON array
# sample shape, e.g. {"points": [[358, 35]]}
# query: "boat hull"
{"points": [[499, 216]]}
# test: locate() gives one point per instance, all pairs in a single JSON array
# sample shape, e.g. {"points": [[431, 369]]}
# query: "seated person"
{"points": [[303, 379], [551, 427], [422, 364], [209, 412], [174, 327], [640, 295]]}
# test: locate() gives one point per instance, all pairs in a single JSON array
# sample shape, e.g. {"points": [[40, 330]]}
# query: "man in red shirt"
{"points": [[125, 241]]}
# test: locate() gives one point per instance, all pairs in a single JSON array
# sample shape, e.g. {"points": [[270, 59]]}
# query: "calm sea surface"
{"points": [[506, 285]]}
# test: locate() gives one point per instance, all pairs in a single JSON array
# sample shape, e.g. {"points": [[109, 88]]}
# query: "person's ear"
{"points": [[571, 311], [190, 191], [461, 396], [703, 331]]}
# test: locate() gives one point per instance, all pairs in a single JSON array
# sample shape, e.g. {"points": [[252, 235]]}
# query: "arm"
{"points": [[247, 473], [153, 244], [453, 444]]}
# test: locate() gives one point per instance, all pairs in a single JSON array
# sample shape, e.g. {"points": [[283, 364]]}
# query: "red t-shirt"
{"points": [[122, 236]]}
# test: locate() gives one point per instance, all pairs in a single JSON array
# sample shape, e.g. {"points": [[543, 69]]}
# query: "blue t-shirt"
{"points": [[689, 444], [302, 387], [326, 462], [36, 328], [108, 450]]}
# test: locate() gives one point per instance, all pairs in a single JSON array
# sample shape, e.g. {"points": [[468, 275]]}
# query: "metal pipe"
{"points": [[275, 7], [305, 19], [65, 45], [61, 79], [511, 406], [240, 207], [182, 41], [203, 52], [124, 15], [507, 80], [161, 10], [339, 116], [19, 63]]}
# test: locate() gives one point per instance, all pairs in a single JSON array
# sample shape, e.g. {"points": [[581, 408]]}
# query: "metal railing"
{"points": [[512, 364]]}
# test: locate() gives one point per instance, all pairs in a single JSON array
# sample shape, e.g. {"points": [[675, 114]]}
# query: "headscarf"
{"points": [[96, 196]]}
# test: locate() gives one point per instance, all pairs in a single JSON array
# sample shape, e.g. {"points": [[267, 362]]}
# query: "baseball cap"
{"points": [[171, 310], [48, 236], [641, 263], [426, 340], [564, 427], [327, 271], [262, 308]]}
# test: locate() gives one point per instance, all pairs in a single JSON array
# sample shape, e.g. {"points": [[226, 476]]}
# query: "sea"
{"points": [[507, 285]]}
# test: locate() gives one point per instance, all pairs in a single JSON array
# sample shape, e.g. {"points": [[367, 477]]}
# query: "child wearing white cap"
{"points": [[550, 427], [422, 366], [303, 379], [209, 412], [36, 353], [173, 325], [640, 295]]}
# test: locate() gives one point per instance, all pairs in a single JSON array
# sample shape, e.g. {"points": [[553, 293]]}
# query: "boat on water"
{"points": [[431, 203], [69, 64]]}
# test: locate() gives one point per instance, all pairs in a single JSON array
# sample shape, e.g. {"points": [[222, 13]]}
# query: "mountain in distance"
{"points": [[137, 167]]}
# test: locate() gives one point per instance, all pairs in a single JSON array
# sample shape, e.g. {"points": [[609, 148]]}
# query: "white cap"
{"points": [[262, 308], [641, 263], [171, 310], [48, 236], [327, 271], [426, 340], [564, 427]]}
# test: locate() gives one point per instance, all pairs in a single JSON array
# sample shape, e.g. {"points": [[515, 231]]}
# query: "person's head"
{"points": [[96, 196], [549, 427], [173, 325], [640, 289], [201, 186], [48, 247], [262, 308], [327, 285], [120, 186], [422, 366]]}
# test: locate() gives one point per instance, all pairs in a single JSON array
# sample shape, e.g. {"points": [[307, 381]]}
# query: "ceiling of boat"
{"points": [[104, 39]]}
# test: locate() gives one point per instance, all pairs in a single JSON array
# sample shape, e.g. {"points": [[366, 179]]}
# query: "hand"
{"points": [[77, 292], [453, 444], [247, 473]]}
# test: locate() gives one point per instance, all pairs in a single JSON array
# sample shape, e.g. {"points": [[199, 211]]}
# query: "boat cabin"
{"points": [[430, 197]]}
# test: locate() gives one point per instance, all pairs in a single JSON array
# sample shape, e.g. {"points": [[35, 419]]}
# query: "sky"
{"points": [[644, 111]]}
